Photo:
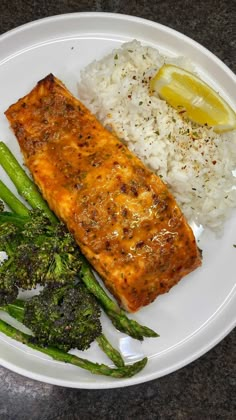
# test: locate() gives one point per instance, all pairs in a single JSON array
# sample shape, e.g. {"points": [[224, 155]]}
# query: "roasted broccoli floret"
{"points": [[65, 317], [8, 242], [43, 252], [8, 291]]}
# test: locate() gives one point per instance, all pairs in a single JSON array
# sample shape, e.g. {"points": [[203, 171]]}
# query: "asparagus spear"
{"points": [[8, 217], [114, 312], [110, 351], [17, 308], [24, 185], [59, 355], [10, 199]]}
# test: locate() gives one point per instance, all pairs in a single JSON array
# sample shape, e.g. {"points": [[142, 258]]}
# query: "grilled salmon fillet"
{"points": [[122, 215]]}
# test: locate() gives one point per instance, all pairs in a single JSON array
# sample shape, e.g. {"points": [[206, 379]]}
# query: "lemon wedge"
{"points": [[191, 96]]}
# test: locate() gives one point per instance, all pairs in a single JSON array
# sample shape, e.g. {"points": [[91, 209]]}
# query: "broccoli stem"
{"points": [[24, 185], [110, 351], [16, 310], [59, 355], [115, 313], [10, 199]]}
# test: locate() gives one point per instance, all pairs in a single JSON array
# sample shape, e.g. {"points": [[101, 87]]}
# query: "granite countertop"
{"points": [[205, 389]]}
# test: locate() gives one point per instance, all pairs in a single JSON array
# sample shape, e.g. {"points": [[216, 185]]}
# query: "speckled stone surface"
{"points": [[206, 388]]}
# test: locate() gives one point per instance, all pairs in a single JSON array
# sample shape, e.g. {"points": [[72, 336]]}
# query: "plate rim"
{"points": [[118, 16], [137, 379]]}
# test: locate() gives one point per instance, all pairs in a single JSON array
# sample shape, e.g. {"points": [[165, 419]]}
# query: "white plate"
{"points": [[198, 312]]}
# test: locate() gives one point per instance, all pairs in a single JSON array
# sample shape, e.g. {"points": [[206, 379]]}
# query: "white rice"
{"points": [[194, 161]]}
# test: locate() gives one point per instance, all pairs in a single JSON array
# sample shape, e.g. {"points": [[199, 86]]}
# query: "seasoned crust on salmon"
{"points": [[122, 215]]}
